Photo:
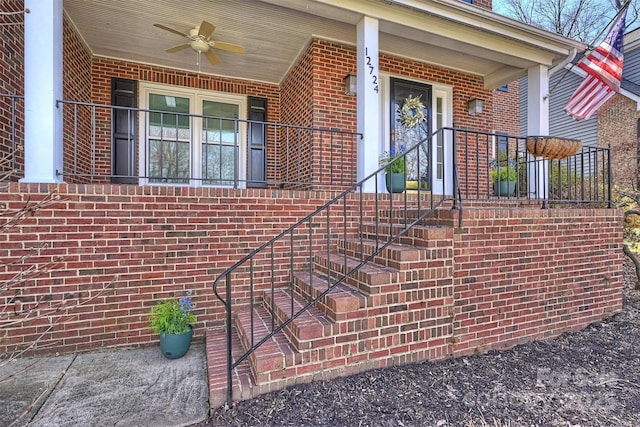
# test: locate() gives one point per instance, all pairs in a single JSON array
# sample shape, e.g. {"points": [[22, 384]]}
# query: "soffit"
{"points": [[274, 33]]}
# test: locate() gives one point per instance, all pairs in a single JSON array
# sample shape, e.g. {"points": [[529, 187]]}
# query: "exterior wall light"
{"points": [[475, 107], [350, 84]]}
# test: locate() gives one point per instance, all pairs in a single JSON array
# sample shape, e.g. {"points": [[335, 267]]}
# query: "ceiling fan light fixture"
{"points": [[199, 40], [199, 45]]}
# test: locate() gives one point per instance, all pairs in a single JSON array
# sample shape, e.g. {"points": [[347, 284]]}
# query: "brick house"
{"points": [[615, 124], [255, 184]]}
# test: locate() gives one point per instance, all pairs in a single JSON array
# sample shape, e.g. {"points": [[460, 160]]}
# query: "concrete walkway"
{"points": [[116, 388]]}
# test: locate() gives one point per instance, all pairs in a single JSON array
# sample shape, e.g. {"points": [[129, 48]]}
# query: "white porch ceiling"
{"points": [[274, 32]]}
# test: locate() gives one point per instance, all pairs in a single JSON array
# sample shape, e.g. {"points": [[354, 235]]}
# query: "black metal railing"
{"points": [[272, 265], [11, 137], [498, 166], [159, 147]]}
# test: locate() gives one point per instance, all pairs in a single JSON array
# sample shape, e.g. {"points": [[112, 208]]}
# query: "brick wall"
{"points": [[297, 109], [141, 243], [506, 109], [518, 274], [524, 274], [76, 86], [618, 127], [11, 83]]}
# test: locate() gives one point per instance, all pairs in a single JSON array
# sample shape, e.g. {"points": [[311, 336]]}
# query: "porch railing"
{"points": [[272, 265], [498, 166], [145, 146]]}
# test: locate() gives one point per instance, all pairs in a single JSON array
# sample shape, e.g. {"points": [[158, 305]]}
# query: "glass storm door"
{"points": [[405, 136]]}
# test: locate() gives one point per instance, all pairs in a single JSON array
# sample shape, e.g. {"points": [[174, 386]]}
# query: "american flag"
{"points": [[604, 72]]}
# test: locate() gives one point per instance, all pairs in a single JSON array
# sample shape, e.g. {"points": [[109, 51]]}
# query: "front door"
{"points": [[411, 125]]}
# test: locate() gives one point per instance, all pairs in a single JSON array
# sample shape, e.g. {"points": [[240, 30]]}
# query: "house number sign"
{"points": [[373, 73]]}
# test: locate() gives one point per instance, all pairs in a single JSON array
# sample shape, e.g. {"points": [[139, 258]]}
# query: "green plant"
{"points": [[504, 169], [392, 164], [172, 316], [504, 174]]}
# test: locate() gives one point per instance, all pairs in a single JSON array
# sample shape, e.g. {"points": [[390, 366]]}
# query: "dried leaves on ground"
{"points": [[585, 378]]}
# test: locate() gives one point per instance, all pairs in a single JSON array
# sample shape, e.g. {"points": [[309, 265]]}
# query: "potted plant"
{"points": [[394, 168], [173, 320], [504, 176]]}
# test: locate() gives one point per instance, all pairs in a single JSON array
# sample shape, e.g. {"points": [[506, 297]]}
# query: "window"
{"points": [[169, 137], [503, 145], [192, 137]]}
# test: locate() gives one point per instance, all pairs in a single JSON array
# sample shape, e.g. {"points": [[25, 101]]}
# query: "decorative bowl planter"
{"points": [[396, 182], [551, 147]]}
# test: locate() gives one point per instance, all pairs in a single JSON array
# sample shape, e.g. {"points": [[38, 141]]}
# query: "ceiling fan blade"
{"points": [[177, 48], [206, 29], [212, 57], [171, 30], [228, 47]]}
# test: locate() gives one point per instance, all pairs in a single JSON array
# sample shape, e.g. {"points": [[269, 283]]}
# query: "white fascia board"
{"points": [[469, 24]]}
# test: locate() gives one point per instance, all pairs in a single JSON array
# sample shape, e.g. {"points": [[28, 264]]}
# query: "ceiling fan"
{"points": [[200, 41]]}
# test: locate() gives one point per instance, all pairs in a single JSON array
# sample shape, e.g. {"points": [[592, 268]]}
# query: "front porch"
{"points": [[256, 186]]}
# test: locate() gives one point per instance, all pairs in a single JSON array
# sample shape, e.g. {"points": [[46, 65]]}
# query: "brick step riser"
{"points": [[439, 217], [258, 362], [336, 304], [367, 283], [393, 256], [302, 336]]}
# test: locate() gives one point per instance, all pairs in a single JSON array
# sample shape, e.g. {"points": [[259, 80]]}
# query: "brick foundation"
{"points": [[507, 276]]}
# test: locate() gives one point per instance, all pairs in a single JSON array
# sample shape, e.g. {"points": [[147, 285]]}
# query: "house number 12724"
{"points": [[372, 70]]}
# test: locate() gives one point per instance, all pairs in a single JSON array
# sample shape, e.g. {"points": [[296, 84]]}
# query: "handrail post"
{"points": [[609, 182], [454, 171], [229, 355]]}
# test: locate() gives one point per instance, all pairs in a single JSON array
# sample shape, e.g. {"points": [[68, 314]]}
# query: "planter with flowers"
{"points": [[504, 176], [173, 320], [395, 178]]}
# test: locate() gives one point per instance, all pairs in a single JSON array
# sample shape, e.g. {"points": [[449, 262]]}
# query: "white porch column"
{"points": [[368, 100], [42, 87], [538, 125]]}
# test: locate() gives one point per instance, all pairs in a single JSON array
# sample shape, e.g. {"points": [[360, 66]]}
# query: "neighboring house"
{"points": [[615, 124], [169, 170]]}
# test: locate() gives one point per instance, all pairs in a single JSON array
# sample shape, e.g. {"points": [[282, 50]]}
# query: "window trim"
{"points": [[196, 98]]}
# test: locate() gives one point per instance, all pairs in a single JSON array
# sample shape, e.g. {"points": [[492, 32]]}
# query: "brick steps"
{"points": [[394, 309]]}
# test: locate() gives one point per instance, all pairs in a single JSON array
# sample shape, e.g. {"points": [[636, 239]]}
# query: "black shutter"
{"points": [[257, 173], [123, 131]]}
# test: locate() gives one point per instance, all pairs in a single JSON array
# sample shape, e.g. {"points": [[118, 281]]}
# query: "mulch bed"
{"points": [[585, 378]]}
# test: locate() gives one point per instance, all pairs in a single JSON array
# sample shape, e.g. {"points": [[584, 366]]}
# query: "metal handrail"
{"points": [[380, 246]]}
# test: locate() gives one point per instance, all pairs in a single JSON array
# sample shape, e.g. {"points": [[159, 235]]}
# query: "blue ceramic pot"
{"points": [[174, 346], [396, 182], [504, 188]]}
